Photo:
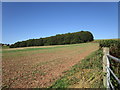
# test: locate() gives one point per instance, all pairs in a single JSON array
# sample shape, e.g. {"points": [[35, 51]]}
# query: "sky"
{"points": [[28, 20]]}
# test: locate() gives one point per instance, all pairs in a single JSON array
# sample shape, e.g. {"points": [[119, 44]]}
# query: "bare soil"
{"points": [[42, 69]]}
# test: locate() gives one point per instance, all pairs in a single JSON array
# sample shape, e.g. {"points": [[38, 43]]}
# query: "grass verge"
{"points": [[86, 74]]}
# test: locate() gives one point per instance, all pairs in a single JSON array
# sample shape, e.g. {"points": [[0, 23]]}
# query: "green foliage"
{"points": [[114, 46], [108, 43], [60, 39]]}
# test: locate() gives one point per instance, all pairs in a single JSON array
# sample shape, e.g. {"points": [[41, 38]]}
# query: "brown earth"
{"points": [[43, 67]]}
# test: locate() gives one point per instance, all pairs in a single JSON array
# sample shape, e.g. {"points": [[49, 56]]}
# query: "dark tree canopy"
{"points": [[59, 39]]}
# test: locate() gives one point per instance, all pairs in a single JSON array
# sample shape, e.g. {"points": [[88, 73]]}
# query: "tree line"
{"points": [[1, 44], [59, 39]]}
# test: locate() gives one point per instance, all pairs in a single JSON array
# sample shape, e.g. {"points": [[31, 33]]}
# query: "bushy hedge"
{"points": [[60, 39], [114, 46], [108, 43]]}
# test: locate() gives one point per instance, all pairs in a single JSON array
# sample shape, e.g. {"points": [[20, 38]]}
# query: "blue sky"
{"points": [[28, 20]]}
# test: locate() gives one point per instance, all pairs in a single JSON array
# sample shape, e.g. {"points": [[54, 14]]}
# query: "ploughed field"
{"points": [[41, 66]]}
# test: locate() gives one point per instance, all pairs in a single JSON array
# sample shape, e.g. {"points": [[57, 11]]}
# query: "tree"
{"points": [[59, 39]]}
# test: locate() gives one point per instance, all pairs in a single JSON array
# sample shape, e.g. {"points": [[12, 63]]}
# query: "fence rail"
{"points": [[114, 58], [106, 68]]}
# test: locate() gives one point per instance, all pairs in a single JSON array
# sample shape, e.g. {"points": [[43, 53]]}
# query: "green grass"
{"points": [[93, 63], [26, 49], [34, 49]]}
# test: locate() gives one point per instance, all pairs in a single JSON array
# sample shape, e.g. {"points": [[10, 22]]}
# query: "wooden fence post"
{"points": [[105, 65]]}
